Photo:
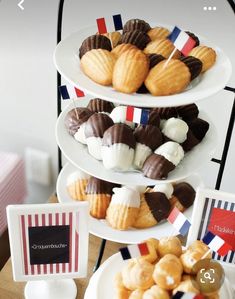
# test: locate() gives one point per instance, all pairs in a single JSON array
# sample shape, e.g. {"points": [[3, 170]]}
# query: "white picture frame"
{"points": [[68, 218], [206, 200]]}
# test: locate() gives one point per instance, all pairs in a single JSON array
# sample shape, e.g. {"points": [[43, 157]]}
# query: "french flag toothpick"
{"points": [[137, 115], [181, 40], [70, 92], [134, 251], [182, 295], [179, 221], [216, 243], [106, 25]]}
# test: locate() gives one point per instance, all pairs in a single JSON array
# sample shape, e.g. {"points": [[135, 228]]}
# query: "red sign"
{"points": [[222, 223]]}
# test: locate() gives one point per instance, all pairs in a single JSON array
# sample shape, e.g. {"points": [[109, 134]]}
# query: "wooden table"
{"points": [[15, 290]]}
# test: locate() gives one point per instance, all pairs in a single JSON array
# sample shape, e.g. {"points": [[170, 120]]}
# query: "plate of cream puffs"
{"points": [[168, 268], [123, 213], [97, 138], [129, 67]]}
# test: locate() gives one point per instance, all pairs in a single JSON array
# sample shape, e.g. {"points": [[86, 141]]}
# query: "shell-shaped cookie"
{"points": [[161, 46], [206, 55], [194, 64], [158, 32], [130, 71], [99, 105], [96, 41], [98, 66], [136, 38], [136, 24], [168, 79], [120, 49], [114, 37]]}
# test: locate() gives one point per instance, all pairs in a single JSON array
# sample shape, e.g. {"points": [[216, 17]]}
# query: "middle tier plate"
{"points": [[100, 228], [78, 155]]}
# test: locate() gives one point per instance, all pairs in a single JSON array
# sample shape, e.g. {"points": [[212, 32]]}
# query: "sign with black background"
{"points": [[49, 244]]}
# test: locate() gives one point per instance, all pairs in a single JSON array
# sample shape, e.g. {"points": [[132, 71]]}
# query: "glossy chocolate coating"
{"points": [[99, 105], [136, 38], [158, 204], [96, 41], [119, 133], [188, 112], [190, 142], [97, 124], [74, 120], [97, 186], [166, 112], [194, 64], [157, 167], [184, 193], [199, 128], [149, 135], [194, 37], [136, 24]]}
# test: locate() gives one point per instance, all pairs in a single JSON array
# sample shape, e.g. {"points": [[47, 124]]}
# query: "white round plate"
{"points": [[67, 62], [101, 285], [102, 229], [78, 155]]}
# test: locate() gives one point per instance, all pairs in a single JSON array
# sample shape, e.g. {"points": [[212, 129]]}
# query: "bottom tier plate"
{"points": [[101, 285], [101, 229]]}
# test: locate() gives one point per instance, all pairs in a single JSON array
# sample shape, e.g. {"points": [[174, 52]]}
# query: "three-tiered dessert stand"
{"points": [[68, 168]]}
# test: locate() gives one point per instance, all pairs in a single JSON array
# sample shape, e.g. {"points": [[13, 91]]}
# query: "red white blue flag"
{"points": [[70, 92], [105, 25], [216, 243], [182, 41], [182, 295], [134, 251], [179, 221], [137, 115]]}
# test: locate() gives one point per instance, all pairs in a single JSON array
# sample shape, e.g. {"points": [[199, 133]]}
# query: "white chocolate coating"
{"points": [[172, 151], [141, 154], [167, 189], [118, 156], [118, 115], [80, 134], [176, 129], [77, 175], [94, 145], [126, 196]]}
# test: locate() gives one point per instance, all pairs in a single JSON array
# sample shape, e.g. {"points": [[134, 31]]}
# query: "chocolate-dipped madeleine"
{"points": [[136, 24], [188, 112], [183, 196], [95, 127], [172, 151], [75, 118], [190, 141], [194, 64], [148, 138], [175, 129], [95, 41], [166, 112], [194, 37], [98, 193], [136, 38], [118, 147], [99, 105], [199, 128]]}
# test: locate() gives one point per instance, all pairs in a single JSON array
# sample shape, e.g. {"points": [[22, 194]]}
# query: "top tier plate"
{"points": [[67, 62]]}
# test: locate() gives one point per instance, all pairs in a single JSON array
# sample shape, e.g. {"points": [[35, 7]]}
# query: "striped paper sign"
{"points": [[46, 230]]}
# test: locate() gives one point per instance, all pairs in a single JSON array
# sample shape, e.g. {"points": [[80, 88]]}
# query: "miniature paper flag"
{"points": [[182, 41], [182, 295], [216, 244], [105, 25], [70, 92], [137, 115], [179, 221], [134, 251]]}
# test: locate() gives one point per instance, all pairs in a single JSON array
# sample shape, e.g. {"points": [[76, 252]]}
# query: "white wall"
{"points": [[28, 77]]}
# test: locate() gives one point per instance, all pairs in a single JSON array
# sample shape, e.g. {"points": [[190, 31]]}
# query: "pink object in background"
{"points": [[12, 184]]}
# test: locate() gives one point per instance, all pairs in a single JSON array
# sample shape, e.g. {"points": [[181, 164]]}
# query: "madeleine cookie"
{"points": [[137, 274], [130, 71], [158, 32], [167, 272], [206, 55], [114, 37], [120, 49], [98, 65], [168, 80], [76, 185], [161, 46]]}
